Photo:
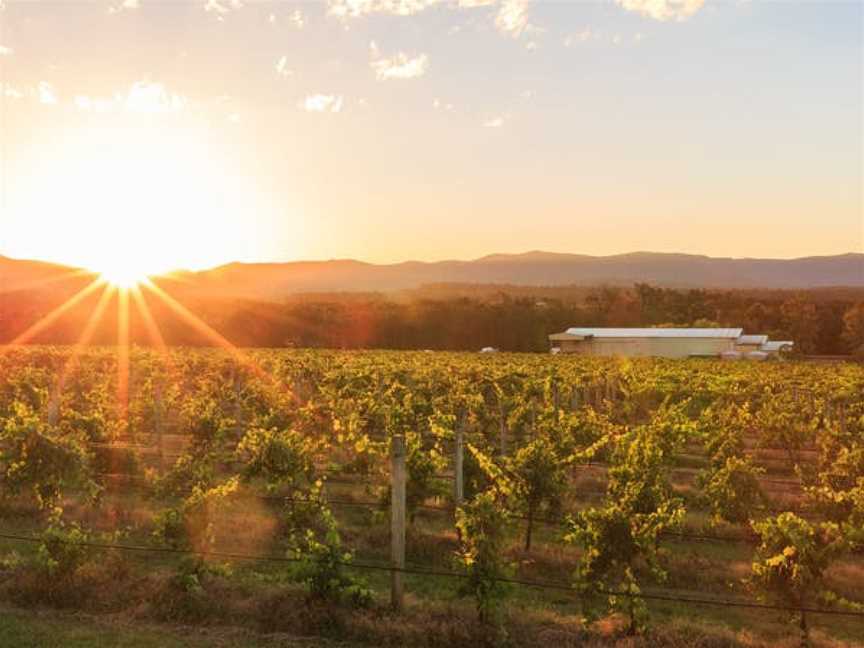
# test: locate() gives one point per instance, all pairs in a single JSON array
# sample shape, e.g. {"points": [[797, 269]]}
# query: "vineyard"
{"points": [[410, 498]]}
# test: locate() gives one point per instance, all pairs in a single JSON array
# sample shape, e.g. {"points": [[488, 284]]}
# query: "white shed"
{"points": [[658, 342], [726, 343]]}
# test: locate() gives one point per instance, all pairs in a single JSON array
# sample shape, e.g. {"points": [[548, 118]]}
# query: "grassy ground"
{"points": [[43, 628], [256, 598], [261, 598], [51, 629]]}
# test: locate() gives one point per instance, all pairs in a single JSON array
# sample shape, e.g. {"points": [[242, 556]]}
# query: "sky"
{"points": [[189, 133]]}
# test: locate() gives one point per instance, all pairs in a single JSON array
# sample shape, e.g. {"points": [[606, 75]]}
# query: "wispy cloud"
{"points": [[322, 103], [125, 5], [11, 92], [141, 97], [297, 19], [94, 104], [5, 51], [494, 122], [589, 36], [664, 10], [222, 7], [294, 18], [46, 94], [584, 36], [512, 17], [354, 8], [282, 67], [146, 97], [398, 66]]}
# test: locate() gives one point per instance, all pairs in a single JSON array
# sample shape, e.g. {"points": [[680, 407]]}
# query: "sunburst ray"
{"points": [[123, 352], [46, 321], [69, 275], [83, 340], [153, 330], [214, 336]]}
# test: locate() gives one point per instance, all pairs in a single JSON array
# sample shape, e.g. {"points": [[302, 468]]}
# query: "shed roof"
{"points": [[752, 339], [776, 345], [565, 336], [723, 333]]}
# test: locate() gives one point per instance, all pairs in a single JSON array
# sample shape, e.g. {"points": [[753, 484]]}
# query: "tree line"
{"points": [[818, 321]]}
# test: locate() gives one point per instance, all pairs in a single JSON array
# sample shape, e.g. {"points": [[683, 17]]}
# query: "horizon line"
{"points": [[485, 257]]}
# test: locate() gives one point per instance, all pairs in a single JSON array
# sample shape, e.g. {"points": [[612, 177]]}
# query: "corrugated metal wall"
{"points": [[649, 347]]}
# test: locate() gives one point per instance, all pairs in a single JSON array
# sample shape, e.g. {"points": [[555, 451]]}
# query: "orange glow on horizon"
{"points": [[125, 297], [122, 277], [211, 334], [138, 198], [83, 341], [42, 324]]}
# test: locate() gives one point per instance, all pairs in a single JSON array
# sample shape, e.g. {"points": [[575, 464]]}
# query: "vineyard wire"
{"points": [[593, 465], [553, 522], [444, 574]]}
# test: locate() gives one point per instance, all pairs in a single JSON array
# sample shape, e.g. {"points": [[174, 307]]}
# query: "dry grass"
{"points": [[126, 594], [145, 588]]}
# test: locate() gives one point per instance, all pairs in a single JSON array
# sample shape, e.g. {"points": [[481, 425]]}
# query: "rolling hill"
{"points": [[271, 281], [533, 268]]}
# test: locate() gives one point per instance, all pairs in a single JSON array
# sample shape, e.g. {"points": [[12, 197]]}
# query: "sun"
{"points": [[126, 261], [123, 277], [130, 201]]}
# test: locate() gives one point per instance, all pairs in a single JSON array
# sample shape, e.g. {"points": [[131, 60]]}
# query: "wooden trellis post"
{"points": [[238, 410], [54, 409], [397, 520], [502, 423], [458, 459], [158, 412]]}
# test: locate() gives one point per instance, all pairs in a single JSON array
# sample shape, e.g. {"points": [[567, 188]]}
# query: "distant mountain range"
{"points": [[270, 281]]}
